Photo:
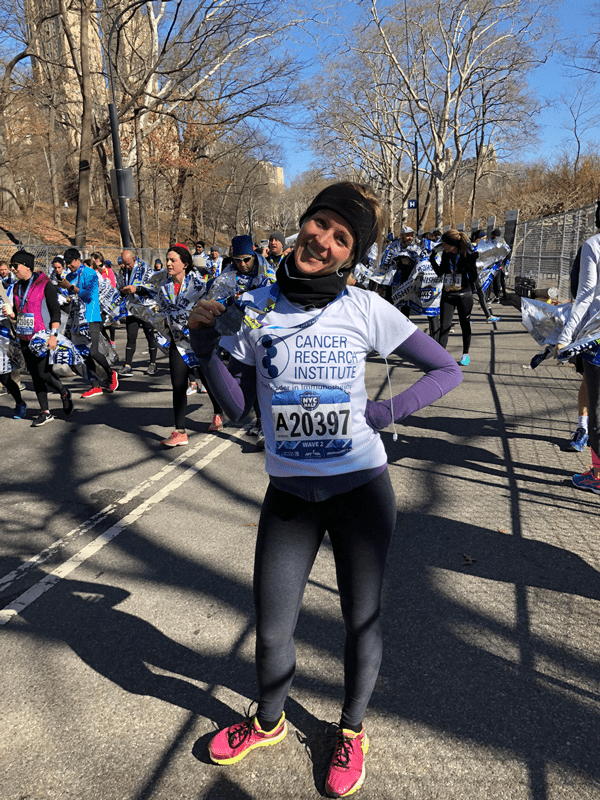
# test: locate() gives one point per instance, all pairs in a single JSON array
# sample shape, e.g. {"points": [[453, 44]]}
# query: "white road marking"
{"points": [[7, 580], [33, 593]]}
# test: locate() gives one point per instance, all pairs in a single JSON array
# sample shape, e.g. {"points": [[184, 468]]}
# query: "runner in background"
{"points": [[134, 278], [36, 309], [176, 298], [82, 283]]}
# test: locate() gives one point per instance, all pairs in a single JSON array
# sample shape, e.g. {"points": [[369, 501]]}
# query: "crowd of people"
{"points": [[286, 332]]}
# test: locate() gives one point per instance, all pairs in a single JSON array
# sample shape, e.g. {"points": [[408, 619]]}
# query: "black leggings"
{"points": [[464, 305], [360, 524], [179, 381], [592, 379], [482, 302], [41, 376], [95, 356], [109, 332], [12, 387], [133, 325], [499, 284]]}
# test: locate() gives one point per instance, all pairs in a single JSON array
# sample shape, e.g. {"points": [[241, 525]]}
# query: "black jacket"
{"points": [[460, 265]]}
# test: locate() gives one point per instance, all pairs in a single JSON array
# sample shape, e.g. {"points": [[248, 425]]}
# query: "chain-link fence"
{"points": [[45, 253], [544, 248]]}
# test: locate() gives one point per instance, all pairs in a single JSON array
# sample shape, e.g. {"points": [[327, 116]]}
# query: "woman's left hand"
{"points": [[52, 342]]}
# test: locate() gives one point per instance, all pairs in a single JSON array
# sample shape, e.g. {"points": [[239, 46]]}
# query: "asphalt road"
{"points": [[127, 626]]}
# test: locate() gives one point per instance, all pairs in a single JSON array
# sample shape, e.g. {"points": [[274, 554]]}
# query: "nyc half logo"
{"points": [[309, 400]]}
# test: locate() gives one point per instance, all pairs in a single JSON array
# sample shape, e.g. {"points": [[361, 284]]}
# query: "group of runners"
{"points": [[297, 336]]}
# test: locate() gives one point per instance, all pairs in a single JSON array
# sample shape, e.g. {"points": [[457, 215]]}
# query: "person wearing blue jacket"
{"points": [[82, 282]]}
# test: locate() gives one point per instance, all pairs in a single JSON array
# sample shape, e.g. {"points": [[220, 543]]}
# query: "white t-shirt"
{"points": [[310, 379], [587, 302]]}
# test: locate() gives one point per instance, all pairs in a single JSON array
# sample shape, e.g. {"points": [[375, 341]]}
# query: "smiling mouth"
{"points": [[313, 254]]}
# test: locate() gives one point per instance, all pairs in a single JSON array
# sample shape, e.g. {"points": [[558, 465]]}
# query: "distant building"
{"points": [[274, 175]]}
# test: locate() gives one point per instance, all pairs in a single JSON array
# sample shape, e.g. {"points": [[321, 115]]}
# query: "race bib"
{"points": [[452, 283], [24, 326], [312, 424]]}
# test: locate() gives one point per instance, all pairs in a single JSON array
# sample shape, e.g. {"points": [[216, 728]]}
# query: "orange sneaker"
{"points": [[176, 439], [92, 392], [216, 425]]}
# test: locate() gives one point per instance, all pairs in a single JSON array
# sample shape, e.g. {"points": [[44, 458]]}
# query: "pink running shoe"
{"points": [[231, 744], [92, 392], [175, 439], [347, 771], [114, 382], [216, 425]]}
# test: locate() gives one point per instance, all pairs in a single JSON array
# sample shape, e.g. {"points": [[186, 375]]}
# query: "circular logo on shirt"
{"points": [[273, 356]]}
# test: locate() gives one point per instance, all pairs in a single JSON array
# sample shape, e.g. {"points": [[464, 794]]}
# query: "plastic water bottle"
{"points": [[223, 290]]}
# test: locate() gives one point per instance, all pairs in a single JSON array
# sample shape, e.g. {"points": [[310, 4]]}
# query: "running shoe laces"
{"points": [[579, 440], [587, 481], [347, 770], [235, 742]]}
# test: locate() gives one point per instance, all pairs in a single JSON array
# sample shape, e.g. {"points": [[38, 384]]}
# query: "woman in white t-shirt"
{"points": [[302, 351]]}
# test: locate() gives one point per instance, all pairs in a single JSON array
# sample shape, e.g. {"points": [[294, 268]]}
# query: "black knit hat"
{"points": [[25, 258], [278, 235], [350, 204]]}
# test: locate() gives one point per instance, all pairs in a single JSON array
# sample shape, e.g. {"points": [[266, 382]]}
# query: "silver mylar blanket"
{"points": [[421, 292], [545, 323]]}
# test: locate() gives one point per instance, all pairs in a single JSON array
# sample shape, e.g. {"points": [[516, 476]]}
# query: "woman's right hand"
{"points": [[7, 310], [205, 313]]}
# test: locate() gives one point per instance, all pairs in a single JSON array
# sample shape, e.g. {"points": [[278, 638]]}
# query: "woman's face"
{"points": [[175, 266], [21, 272], [325, 243], [449, 248]]}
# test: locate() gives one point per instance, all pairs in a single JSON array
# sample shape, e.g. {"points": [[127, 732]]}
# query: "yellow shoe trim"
{"points": [[263, 743]]}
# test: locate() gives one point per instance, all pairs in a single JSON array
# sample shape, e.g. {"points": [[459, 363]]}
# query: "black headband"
{"points": [[354, 208], [448, 238]]}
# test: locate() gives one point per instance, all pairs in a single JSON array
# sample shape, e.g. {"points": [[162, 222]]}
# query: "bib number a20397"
{"points": [[305, 424]]}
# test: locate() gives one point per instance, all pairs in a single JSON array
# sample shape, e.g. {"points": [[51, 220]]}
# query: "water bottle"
{"points": [[223, 290]]}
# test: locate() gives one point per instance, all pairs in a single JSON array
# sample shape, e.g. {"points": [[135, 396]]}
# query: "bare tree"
{"points": [[418, 66]]}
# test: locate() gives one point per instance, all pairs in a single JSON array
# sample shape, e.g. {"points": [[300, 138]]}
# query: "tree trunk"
{"points": [[86, 149], [56, 205], [156, 209], [439, 196], [141, 184], [194, 213], [101, 150], [182, 177], [8, 188]]}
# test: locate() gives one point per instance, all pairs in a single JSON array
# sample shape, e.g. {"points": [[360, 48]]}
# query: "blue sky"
{"points": [[548, 81]]}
